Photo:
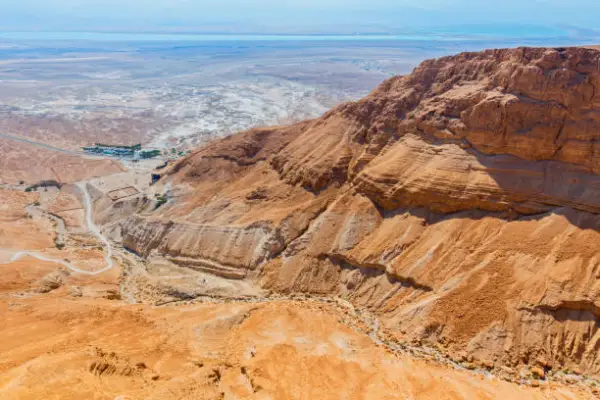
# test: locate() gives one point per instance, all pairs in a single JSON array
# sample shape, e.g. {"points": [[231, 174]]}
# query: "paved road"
{"points": [[42, 145]]}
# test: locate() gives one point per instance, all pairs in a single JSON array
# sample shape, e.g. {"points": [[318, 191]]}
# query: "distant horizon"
{"points": [[448, 32], [551, 17]]}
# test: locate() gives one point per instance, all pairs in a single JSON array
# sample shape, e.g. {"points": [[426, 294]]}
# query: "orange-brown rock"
{"points": [[67, 345], [29, 163], [460, 203], [17, 229]]}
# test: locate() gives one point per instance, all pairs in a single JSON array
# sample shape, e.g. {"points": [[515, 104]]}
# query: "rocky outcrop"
{"points": [[460, 203]]}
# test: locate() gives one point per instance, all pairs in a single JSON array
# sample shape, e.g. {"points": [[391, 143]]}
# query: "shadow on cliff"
{"points": [[583, 220], [532, 190]]}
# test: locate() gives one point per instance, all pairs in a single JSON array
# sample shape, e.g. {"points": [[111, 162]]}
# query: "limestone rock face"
{"points": [[460, 203]]}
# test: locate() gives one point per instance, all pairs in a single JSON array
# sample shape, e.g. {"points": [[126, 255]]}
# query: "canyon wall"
{"points": [[459, 203]]}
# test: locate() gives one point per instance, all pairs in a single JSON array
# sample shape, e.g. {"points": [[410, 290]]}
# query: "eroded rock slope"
{"points": [[460, 203]]}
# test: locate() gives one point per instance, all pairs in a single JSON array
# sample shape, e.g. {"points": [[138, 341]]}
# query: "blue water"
{"points": [[147, 37]]}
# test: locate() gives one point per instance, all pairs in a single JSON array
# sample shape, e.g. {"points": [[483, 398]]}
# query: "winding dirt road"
{"points": [[91, 227]]}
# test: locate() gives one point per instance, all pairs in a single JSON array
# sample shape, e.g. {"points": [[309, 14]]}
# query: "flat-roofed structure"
{"points": [[134, 151]]}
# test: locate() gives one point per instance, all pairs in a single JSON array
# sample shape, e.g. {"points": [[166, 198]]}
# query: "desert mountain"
{"points": [[459, 204]]}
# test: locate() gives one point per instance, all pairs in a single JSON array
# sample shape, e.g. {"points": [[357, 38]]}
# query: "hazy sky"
{"points": [[282, 15]]}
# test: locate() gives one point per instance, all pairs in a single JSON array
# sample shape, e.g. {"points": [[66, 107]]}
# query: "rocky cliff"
{"points": [[459, 203]]}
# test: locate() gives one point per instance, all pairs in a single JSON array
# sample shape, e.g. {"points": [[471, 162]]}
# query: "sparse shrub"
{"points": [[160, 201], [43, 184], [141, 365]]}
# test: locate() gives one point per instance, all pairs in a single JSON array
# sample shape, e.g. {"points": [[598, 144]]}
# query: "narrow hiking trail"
{"points": [[92, 227]]}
